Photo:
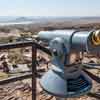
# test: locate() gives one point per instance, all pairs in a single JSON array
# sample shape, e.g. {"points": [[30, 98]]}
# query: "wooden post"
{"points": [[34, 53]]}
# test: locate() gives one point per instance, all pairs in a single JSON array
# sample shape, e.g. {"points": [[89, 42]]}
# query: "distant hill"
{"points": [[43, 20], [7, 19], [22, 19]]}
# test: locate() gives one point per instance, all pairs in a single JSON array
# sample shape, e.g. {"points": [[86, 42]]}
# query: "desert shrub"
{"points": [[7, 39], [16, 56], [5, 30]]}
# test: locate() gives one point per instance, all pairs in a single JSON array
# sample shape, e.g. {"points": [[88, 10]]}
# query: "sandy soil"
{"points": [[22, 90]]}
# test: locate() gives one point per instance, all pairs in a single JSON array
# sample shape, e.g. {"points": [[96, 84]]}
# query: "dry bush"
{"points": [[16, 56]]}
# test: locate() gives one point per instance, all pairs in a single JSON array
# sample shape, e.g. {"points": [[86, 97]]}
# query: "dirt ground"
{"points": [[22, 90]]}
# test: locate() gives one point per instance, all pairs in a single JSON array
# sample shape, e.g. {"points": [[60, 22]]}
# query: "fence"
{"points": [[34, 46]]}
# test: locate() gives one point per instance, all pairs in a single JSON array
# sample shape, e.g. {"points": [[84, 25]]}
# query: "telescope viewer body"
{"points": [[66, 79], [78, 40]]}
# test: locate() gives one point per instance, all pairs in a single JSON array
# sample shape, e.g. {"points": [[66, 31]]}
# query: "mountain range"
{"points": [[18, 19]]}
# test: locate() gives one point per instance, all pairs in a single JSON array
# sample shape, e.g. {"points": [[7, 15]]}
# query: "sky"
{"points": [[50, 8]]}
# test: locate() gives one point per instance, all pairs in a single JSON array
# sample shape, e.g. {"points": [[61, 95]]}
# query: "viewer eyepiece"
{"points": [[96, 38]]}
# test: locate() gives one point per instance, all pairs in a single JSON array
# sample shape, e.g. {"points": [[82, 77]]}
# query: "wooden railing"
{"points": [[34, 46]]}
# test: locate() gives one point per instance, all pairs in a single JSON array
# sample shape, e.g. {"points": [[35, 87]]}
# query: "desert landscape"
{"points": [[16, 62]]}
